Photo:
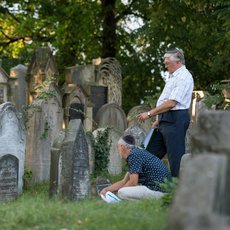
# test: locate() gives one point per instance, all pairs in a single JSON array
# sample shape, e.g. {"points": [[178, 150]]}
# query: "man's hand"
{"points": [[103, 191], [142, 116]]}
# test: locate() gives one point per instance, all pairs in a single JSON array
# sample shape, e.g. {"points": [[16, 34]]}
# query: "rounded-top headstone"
{"points": [[111, 115]]}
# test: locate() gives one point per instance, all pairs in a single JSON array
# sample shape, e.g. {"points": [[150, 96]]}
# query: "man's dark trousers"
{"points": [[170, 138]]}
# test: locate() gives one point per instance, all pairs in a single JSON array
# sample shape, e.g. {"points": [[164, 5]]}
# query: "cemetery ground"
{"points": [[34, 209]]}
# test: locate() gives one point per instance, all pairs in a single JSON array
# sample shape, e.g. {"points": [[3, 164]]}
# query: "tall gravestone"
{"points": [[45, 120], [3, 85], [202, 199], [18, 86], [56, 165], [75, 181], [12, 152]]}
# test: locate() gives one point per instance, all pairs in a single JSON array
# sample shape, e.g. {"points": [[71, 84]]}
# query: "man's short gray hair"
{"points": [[176, 55]]}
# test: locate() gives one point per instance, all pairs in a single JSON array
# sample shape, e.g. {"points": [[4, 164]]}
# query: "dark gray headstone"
{"points": [[75, 181], [8, 177]]}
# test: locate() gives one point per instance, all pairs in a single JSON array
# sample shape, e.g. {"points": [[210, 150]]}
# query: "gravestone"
{"points": [[101, 183], [12, 152], [75, 181], [202, 199], [45, 120], [137, 132], [56, 165], [111, 115], [108, 73], [18, 86], [8, 177], [114, 166], [89, 139], [132, 117], [42, 68], [3, 85]]}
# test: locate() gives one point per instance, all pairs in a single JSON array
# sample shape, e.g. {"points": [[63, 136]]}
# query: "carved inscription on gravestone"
{"points": [[80, 166], [8, 177]]}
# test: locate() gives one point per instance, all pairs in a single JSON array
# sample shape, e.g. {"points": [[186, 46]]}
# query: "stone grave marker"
{"points": [[75, 181], [202, 199], [12, 152], [132, 119], [56, 164], [137, 132], [18, 85], [8, 177], [111, 115], [45, 120]]}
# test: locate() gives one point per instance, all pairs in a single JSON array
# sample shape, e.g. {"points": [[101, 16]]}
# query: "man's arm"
{"points": [[133, 180], [166, 106], [116, 186]]}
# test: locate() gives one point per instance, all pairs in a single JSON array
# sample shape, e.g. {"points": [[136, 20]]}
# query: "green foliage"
{"points": [[75, 32], [27, 177], [102, 146], [34, 210], [169, 186], [217, 98]]}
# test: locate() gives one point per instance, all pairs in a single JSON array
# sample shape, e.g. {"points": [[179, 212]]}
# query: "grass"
{"points": [[35, 210]]}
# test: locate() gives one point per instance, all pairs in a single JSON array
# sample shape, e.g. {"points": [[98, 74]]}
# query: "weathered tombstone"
{"points": [[12, 152], [137, 132], [75, 181], [56, 164], [3, 85], [42, 68], [111, 115], [89, 138], [18, 86], [109, 74], [45, 120], [114, 166], [202, 200], [101, 182], [132, 117]]}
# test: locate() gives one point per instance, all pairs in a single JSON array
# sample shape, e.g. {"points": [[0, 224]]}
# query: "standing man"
{"points": [[142, 164], [172, 111]]}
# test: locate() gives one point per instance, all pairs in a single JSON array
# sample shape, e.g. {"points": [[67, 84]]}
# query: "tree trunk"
{"points": [[109, 28]]}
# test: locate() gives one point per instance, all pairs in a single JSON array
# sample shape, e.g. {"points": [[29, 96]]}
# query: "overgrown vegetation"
{"points": [[34, 210], [102, 146], [217, 98]]}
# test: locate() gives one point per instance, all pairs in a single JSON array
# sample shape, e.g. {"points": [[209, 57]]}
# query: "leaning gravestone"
{"points": [[202, 199], [12, 152], [75, 181]]}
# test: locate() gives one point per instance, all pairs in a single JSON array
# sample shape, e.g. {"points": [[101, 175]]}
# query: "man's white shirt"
{"points": [[178, 87]]}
